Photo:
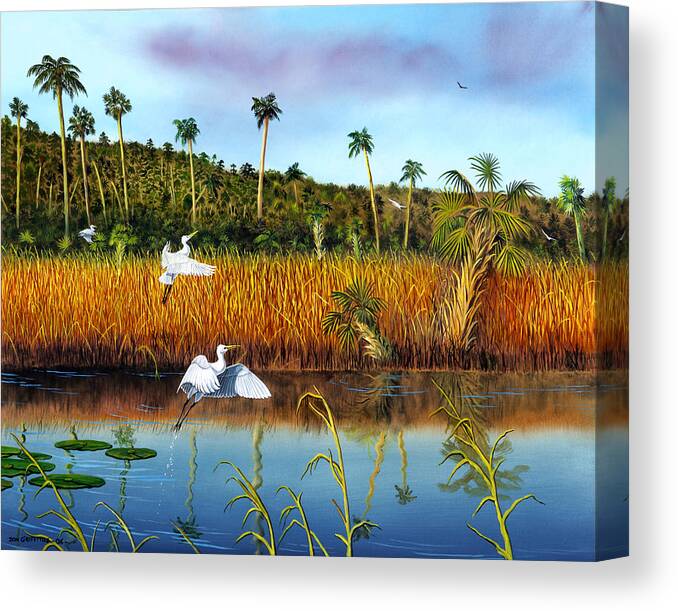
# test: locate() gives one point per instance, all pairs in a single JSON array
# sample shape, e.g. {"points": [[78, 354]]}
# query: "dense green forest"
{"points": [[299, 212]]}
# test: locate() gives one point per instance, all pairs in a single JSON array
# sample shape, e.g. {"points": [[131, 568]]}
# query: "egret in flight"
{"points": [[88, 234], [395, 204], [218, 381], [179, 263]]}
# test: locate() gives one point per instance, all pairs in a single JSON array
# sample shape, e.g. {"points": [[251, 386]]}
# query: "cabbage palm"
{"points": [[187, 132], [19, 110], [412, 172], [485, 216], [264, 110], [573, 203], [609, 203], [59, 76], [361, 142], [81, 124], [117, 104], [294, 174]]}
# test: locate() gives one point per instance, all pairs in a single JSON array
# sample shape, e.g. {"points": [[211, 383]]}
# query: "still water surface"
{"points": [[392, 450]]}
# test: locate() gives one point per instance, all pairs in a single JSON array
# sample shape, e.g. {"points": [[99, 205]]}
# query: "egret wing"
{"points": [[238, 381], [190, 267], [199, 378], [165, 255]]}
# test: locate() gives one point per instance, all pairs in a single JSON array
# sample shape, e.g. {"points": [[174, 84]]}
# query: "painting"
{"points": [[317, 281]]}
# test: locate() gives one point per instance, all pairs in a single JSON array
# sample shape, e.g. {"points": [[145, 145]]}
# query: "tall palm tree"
{"points": [[187, 132], [59, 76], [19, 110], [117, 104], [81, 124], [573, 202], [264, 110], [361, 142], [609, 203], [482, 217], [294, 174], [412, 172]]}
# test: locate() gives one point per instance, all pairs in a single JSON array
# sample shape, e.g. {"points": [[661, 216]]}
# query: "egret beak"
{"points": [[191, 235], [232, 346]]}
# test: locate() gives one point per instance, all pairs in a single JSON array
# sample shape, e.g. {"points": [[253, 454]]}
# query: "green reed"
{"points": [[473, 455]]}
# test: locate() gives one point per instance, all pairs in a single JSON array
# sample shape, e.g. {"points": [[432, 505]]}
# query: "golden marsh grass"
{"points": [[87, 312]]}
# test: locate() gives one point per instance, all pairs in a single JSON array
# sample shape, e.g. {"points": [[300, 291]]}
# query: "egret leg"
{"points": [[184, 414], [168, 290]]}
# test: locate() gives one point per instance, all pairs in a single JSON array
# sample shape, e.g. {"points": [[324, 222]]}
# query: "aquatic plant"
{"points": [[317, 405], [302, 522], [258, 508], [119, 522], [474, 456]]}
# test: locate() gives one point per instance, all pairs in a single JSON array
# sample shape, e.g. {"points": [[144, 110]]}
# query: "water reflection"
{"points": [[554, 416]]}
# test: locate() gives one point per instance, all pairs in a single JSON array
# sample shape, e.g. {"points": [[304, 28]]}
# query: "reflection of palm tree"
{"points": [[463, 391], [124, 438], [404, 493], [257, 478], [365, 531], [377, 400], [189, 525]]}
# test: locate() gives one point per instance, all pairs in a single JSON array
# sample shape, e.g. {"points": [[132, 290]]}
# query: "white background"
{"points": [[647, 579]]}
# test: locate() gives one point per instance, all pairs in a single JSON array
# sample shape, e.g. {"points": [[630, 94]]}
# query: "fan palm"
{"points": [[187, 132], [467, 218], [264, 110], [59, 76], [412, 172], [19, 110], [117, 104], [362, 142], [573, 203], [81, 124], [609, 203], [293, 175]]}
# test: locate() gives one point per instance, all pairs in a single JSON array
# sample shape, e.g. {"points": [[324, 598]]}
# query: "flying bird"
{"points": [[396, 204], [179, 263], [218, 381], [88, 234], [548, 237], [461, 86]]}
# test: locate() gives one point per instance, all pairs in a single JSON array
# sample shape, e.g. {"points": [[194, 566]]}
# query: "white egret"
{"points": [[218, 381], [548, 237], [179, 263], [88, 234], [396, 204]]}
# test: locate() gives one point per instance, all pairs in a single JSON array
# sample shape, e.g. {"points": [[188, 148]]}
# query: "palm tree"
{"points": [[468, 219], [59, 76], [187, 132], [264, 110], [361, 142], [609, 202], [81, 124], [294, 174], [19, 110], [117, 104], [572, 202], [412, 172]]}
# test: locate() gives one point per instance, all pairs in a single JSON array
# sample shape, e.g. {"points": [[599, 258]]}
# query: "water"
{"points": [[564, 425]]}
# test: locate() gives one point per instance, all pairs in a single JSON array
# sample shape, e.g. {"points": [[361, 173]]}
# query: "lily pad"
{"points": [[82, 445], [131, 453], [70, 481], [6, 484], [8, 451], [12, 467]]}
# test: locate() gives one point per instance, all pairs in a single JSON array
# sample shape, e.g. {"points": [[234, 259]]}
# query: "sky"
{"points": [[530, 69]]}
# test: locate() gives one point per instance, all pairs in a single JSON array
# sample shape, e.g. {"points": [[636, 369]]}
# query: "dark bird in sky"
{"points": [[461, 86]]}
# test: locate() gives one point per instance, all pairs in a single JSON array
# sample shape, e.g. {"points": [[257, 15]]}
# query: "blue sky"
{"points": [[530, 69]]}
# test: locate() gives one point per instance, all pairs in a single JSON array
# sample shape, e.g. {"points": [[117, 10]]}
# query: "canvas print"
{"points": [[317, 281]]}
